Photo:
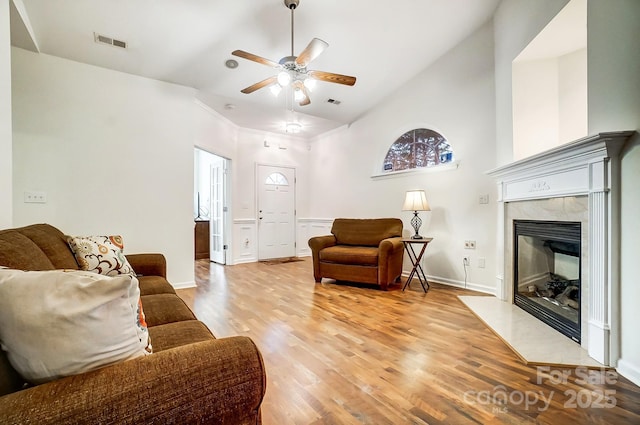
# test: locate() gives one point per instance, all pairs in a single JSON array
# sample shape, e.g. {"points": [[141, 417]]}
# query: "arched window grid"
{"points": [[276, 179], [418, 149]]}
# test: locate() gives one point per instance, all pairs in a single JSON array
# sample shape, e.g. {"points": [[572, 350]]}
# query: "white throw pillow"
{"points": [[63, 322]]}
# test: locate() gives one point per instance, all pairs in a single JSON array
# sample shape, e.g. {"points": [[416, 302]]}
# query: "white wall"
{"points": [[614, 104], [535, 107], [516, 23], [572, 96], [455, 97], [112, 151], [6, 184], [549, 102]]}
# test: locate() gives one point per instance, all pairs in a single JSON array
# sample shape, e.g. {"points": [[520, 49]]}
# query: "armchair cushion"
{"points": [[341, 254]]}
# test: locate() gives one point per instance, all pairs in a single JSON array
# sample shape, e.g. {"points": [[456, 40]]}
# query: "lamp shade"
{"points": [[415, 200]]}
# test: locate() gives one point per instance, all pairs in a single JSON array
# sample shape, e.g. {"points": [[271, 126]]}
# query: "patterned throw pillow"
{"points": [[100, 254]]}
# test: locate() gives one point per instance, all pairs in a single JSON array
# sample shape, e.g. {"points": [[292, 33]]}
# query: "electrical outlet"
{"points": [[469, 244], [484, 199], [466, 260]]}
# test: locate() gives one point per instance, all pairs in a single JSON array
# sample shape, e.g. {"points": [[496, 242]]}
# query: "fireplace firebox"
{"points": [[547, 270]]}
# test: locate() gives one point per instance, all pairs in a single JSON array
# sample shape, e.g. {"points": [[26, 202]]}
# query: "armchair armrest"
{"points": [[390, 255], [148, 264], [216, 381], [317, 243], [390, 245]]}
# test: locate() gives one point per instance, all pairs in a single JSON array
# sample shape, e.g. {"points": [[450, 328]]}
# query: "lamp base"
{"points": [[416, 223]]}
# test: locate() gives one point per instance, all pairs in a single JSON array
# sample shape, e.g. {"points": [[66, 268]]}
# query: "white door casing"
{"points": [[276, 212]]}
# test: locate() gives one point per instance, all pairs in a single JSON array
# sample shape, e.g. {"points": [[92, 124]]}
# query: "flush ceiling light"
{"points": [[293, 127]]}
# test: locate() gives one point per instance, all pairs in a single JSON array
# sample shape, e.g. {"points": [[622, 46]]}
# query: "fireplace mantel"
{"points": [[586, 167]]}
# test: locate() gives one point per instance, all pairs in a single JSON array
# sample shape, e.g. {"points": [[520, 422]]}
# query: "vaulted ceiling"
{"points": [[382, 43]]}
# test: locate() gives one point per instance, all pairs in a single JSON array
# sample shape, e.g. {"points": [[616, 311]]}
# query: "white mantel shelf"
{"points": [[561, 171], [586, 167]]}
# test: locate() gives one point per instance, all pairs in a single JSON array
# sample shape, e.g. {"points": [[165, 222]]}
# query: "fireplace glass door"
{"points": [[547, 271]]}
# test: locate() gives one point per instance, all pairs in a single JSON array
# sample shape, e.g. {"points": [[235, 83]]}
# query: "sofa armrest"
{"points": [[217, 381], [318, 243], [148, 264]]}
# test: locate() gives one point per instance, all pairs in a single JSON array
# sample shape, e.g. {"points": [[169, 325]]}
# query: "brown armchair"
{"points": [[360, 250]]}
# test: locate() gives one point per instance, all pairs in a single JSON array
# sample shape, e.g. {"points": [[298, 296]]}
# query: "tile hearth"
{"points": [[533, 341]]}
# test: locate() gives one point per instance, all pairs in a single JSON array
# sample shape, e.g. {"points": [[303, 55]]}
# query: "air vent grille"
{"points": [[99, 38]]}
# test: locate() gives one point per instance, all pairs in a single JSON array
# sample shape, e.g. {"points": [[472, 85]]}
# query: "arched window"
{"points": [[418, 148], [277, 179]]}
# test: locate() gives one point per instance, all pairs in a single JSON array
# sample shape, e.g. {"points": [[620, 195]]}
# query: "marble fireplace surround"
{"points": [[578, 181]]}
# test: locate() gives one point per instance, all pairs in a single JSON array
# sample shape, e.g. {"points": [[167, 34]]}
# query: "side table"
{"points": [[415, 260]]}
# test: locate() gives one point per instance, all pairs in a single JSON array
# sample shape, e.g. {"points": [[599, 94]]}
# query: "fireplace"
{"points": [[547, 271], [578, 182]]}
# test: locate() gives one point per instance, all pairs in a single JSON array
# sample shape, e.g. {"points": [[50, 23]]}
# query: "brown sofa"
{"points": [[360, 250], [191, 377]]}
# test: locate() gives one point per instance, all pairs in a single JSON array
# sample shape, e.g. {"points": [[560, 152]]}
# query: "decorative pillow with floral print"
{"points": [[100, 254]]}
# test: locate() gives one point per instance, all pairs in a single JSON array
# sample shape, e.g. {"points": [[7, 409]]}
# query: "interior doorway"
{"points": [[211, 206]]}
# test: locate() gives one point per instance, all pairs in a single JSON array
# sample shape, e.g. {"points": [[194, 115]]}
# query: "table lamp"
{"points": [[416, 200]]}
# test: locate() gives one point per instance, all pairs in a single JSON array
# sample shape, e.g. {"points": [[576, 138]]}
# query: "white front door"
{"points": [[276, 212], [216, 226]]}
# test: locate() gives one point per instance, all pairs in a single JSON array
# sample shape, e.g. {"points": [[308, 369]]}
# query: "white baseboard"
{"points": [[184, 285], [629, 371], [245, 260], [458, 284]]}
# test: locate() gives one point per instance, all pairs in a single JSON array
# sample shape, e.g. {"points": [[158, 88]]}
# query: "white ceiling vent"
{"points": [[108, 40]]}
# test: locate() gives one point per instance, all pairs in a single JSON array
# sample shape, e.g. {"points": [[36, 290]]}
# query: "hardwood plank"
{"points": [[340, 353]]}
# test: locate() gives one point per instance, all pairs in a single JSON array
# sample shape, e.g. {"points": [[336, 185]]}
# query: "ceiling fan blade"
{"points": [[312, 51], [255, 58], [261, 84], [307, 99], [330, 77]]}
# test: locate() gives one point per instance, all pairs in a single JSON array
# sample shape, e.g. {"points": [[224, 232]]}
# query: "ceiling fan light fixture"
{"points": [[298, 94], [310, 83], [275, 89], [293, 71], [284, 78]]}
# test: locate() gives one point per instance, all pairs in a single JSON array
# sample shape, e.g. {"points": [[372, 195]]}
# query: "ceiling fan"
{"points": [[293, 69]]}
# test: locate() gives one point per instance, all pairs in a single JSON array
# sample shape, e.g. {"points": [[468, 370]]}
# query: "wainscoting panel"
{"points": [[308, 228], [245, 241]]}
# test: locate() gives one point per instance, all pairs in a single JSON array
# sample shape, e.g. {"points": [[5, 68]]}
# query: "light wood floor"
{"points": [[350, 354]]}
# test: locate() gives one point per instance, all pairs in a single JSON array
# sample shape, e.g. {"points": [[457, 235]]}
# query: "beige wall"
{"points": [[113, 152], [6, 179]]}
